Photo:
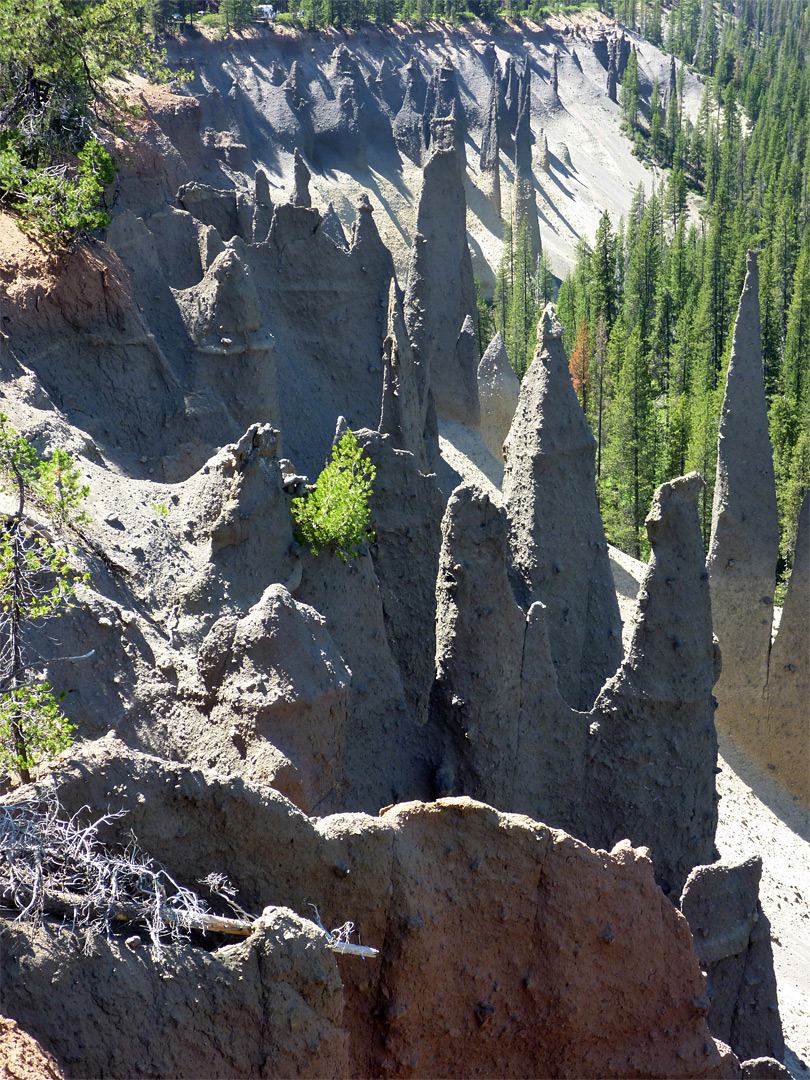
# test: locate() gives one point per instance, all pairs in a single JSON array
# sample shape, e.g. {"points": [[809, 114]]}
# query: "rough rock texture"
{"points": [[785, 737], [506, 734], [406, 508], [235, 514], [408, 128], [263, 207], [489, 160], [280, 688], [542, 152], [654, 719], [269, 1006], [443, 102], [440, 292], [498, 392], [745, 525], [332, 226], [401, 414], [764, 1068], [733, 945], [611, 81], [379, 741], [557, 543], [584, 970], [299, 196], [223, 318], [22, 1058], [524, 206], [479, 648], [327, 309]]}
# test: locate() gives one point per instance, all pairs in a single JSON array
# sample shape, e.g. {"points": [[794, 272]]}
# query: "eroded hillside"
{"points": [[444, 740]]}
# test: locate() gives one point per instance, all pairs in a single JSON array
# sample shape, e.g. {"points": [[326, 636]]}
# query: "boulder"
{"points": [[268, 1006], [733, 944]]}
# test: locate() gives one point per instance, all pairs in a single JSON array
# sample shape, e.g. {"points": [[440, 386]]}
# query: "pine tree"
{"points": [[630, 457]]}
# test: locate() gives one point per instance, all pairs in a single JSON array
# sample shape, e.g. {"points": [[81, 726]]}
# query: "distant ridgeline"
{"points": [[649, 309]]}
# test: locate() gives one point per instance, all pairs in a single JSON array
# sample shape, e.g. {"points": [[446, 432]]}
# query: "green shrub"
{"points": [[59, 202], [36, 584], [287, 18], [335, 514]]}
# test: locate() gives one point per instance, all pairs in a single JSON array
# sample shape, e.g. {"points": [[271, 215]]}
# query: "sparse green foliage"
{"points": [[36, 583], [59, 488], [32, 727], [335, 514], [55, 56]]}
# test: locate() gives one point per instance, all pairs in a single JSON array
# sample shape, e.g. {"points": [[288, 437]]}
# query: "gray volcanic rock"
{"points": [[387, 86], [271, 1005], [442, 102], [263, 207], [327, 308], [467, 359], [401, 415], [348, 118], [744, 541], [655, 717], [733, 944], [280, 690], [542, 152], [440, 292], [412, 880], [508, 105], [299, 196], [212, 207], [235, 512], [764, 1068], [376, 752], [489, 160], [222, 316], [557, 547], [479, 648], [498, 392], [408, 127], [784, 739], [524, 206], [332, 227], [296, 88], [406, 508], [612, 80]]}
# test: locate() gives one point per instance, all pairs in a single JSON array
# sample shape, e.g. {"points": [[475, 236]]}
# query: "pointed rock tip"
{"points": [[549, 328], [683, 490]]}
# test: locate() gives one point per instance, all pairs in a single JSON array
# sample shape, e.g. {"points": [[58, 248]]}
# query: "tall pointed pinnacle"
{"points": [[744, 543], [401, 414], [299, 196], [524, 206], [440, 292], [557, 543], [659, 708], [489, 161]]}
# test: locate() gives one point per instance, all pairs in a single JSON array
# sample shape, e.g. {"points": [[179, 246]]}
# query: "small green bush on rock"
{"points": [[335, 514]]}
